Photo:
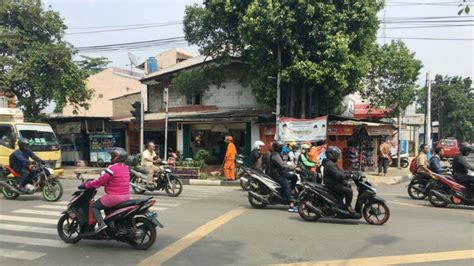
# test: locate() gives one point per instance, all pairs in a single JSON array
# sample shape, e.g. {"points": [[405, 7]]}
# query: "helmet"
{"points": [[465, 149], [118, 155], [258, 144], [229, 138], [277, 146], [24, 144], [333, 153]]}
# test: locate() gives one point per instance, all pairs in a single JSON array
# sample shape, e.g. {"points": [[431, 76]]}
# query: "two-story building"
{"points": [[201, 121]]}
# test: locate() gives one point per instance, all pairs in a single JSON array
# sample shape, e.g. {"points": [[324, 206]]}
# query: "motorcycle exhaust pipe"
{"points": [[137, 186], [258, 197], [441, 196], [9, 187], [308, 205]]}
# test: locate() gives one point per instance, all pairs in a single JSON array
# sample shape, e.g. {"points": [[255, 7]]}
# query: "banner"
{"points": [[300, 130]]}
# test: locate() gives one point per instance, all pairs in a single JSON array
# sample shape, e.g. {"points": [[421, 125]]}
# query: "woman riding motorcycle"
{"points": [[334, 178], [115, 180]]}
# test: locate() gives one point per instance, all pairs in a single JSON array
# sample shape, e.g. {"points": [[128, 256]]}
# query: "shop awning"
{"points": [[210, 116], [348, 127], [366, 111]]}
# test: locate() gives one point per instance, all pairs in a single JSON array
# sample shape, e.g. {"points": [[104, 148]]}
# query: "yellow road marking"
{"points": [[393, 260], [172, 250]]}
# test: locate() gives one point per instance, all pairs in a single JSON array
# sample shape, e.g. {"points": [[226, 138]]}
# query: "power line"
{"points": [[122, 26], [431, 26], [430, 38], [126, 29]]}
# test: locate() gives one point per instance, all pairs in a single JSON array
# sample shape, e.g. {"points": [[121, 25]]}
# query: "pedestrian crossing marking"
{"points": [[55, 207], [33, 241], [28, 219], [29, 229], [20, 254], [39, 212]]}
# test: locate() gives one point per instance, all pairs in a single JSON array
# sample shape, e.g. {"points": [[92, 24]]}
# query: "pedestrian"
{"points": [[229, 160], [149, 158], [384, 157], [291, 154]]}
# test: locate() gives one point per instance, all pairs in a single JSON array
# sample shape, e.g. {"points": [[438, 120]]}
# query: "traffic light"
{"points": [[136, 113]]}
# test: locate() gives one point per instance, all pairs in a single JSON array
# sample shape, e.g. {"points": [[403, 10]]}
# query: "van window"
{"points": [[41, 137], [7, 136]]}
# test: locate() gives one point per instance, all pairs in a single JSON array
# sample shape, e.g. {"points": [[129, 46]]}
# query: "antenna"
{"points": [[133, 61]]}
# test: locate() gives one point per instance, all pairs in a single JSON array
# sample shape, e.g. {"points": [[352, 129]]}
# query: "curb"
{"points": [[201, 182], [399, 179]]}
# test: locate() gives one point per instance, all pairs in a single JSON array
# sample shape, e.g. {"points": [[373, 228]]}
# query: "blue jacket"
{"points": [[435, 165], [20, 160]]}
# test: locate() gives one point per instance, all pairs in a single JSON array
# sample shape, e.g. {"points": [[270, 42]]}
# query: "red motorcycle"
{"points": [[445, 190]]}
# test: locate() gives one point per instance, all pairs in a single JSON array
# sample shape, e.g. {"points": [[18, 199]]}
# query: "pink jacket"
{"points": [[115, 180]]}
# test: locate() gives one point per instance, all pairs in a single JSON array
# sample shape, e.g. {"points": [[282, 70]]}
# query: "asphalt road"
{"points": [[217, 226]]}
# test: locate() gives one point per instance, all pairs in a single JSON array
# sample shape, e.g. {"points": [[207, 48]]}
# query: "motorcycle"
{"points": [[130, 221], [446, 190], [419, 187], [404, 162], [43, 181], [263, 190], [163, 180], [317, 201], [245, 177]]}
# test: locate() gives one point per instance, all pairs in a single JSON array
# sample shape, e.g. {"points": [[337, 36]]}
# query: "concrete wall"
{"points": [[105, 86], [123, 105], [169, 58]]}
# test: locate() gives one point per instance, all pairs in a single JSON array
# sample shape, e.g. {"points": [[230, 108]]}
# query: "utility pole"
{"points": [[142, 123], [428, 112], [277, 113], [165, 97], [399, 137]]}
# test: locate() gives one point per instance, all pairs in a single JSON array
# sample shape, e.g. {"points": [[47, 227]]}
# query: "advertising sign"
{"points": [[300, 130], [100, 144]]}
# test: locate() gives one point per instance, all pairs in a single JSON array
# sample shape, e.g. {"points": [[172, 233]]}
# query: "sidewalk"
{"points": [[394, 176]]}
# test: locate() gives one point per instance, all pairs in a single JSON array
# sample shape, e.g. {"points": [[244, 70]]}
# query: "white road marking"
{"points": [[28, 219], [39, 212], [30, 229], [33, 241], [54, 207], [158, 208], [20, 254]]}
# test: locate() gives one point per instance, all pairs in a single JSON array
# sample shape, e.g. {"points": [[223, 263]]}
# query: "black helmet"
{"points": [[465, 149], [277, 146], [24, 144], [333, 153], [118, 155]]}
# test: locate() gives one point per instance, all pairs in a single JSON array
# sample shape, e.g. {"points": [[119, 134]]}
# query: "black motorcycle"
{"points": [[163, 180], [131, 222], [419, 187], [317, 201], [263, 190]]}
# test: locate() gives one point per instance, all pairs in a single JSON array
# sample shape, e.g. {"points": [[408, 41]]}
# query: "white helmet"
{"points": [[258, 144], [305, 146]]}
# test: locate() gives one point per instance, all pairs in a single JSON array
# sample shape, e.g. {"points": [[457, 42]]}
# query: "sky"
{"points": [[438, 56]]}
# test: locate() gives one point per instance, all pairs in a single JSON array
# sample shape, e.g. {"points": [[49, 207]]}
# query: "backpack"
{"points": [[414, 165]]}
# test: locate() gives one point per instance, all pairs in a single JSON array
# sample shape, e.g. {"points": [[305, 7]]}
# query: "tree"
{"points": [[93, 65], [35, 62], [324, 47], [452, 105], [392, 76]]}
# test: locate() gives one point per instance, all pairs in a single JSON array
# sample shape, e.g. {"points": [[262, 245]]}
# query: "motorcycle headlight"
{"points": [[50, 170]]}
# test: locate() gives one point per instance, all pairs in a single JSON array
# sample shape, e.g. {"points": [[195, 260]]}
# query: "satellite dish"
{"points": [[133, 61]]}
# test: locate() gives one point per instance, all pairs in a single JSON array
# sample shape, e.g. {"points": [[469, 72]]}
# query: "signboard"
{"points": [[292, 129], [69, 128], [340, 130], [381, 131], [100, 145]]}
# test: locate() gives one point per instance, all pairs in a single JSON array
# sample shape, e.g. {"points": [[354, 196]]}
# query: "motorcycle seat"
{"points": [[142, 170], [127, 203]]}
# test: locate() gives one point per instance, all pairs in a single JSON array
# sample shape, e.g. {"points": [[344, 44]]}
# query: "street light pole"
{"points": [[428, 112], [142, 123], [165, 97], [277, 113]]}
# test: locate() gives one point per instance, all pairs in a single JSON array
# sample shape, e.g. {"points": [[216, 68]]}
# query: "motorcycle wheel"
{"points": [[404, 164], [414, 190], [174, 187], [437, 202], [254, 186], [137, 183], [10, 195], [144, 235], [68, 229], [306, 214], [376, 213], [53, 192]]}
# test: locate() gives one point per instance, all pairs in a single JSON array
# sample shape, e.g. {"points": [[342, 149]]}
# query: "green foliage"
{"points": [[392, 76], [324, 44], [464, 8], [201, 155], [203, 175], [195, 81], [452, 104], [93, 65], [35, 62]]}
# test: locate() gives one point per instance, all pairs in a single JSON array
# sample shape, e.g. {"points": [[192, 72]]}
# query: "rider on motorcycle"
{"points": [[334, 178], [256, 156], [20, 163], [435, 162], [461, 166], [306, 164], [279, 172], [115, 180]]}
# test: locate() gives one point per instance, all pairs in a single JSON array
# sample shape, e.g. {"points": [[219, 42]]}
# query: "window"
{"points": [[41, 137], [193, 99], [7, 136], [3, 102]]}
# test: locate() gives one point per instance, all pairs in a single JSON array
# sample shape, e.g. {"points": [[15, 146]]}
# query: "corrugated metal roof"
{"points": [[179, 66]]}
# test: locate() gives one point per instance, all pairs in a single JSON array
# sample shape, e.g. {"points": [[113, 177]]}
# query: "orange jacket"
{"points": [[313, 154], [231, 152]]}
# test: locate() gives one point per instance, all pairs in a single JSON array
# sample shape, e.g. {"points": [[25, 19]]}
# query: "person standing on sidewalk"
{"points": [[384, 157], [148, 159], [229, 160]]}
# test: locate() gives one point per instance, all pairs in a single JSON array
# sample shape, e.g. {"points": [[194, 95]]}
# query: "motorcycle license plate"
{"points": [[152, 216]]}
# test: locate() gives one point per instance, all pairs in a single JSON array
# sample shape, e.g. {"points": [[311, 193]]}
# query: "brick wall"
{"points": [[123, 105]]}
